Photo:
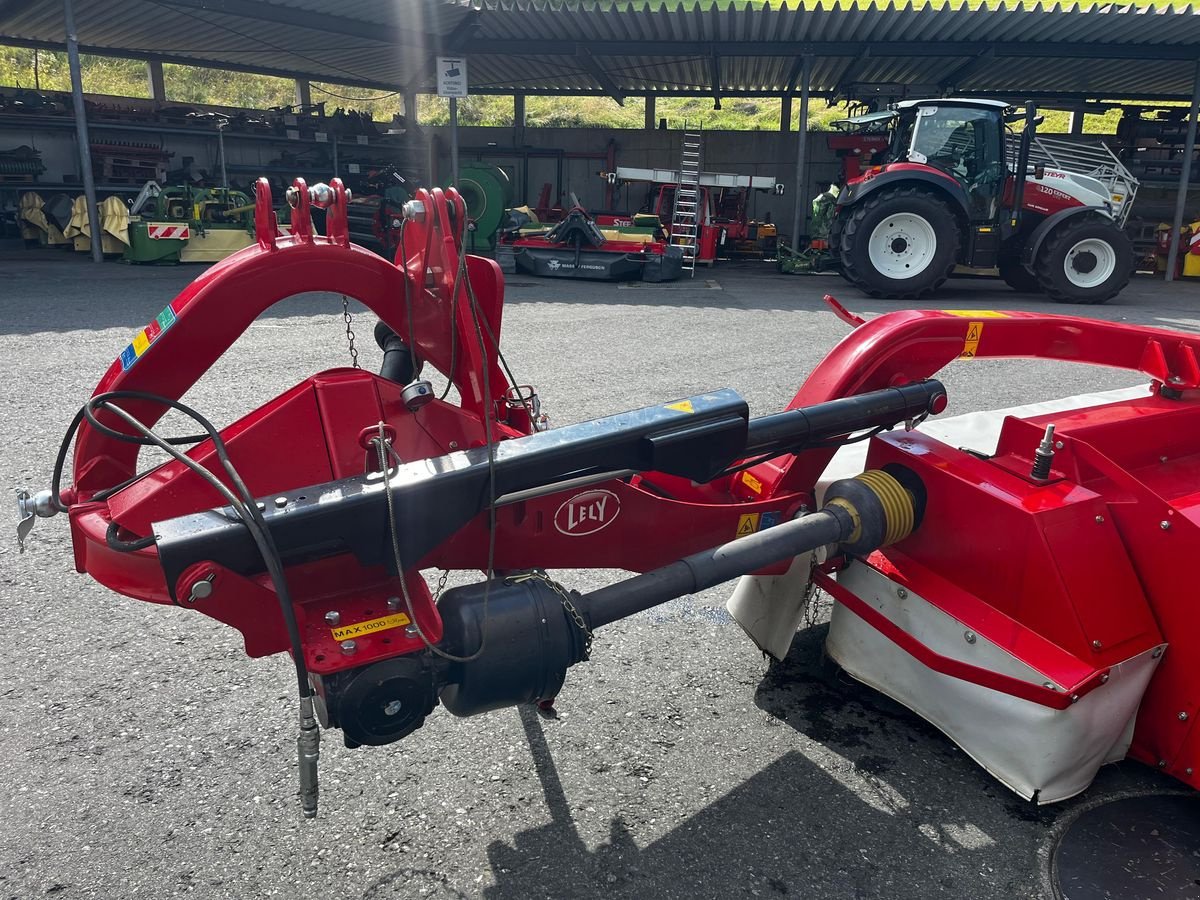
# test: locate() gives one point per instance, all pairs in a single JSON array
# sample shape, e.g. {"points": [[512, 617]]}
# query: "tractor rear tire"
{"points": [[901, 243], [1087, 259], [1019, 278]]}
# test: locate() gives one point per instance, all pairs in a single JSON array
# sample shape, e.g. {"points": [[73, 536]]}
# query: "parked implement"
{"points": [[181, 223], [958, 189], [1036, 602]]}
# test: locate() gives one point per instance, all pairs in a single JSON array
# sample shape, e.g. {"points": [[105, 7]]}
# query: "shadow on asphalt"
{"points": [[73, 295]]}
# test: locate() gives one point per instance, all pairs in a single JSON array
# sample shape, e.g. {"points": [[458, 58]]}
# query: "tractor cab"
{"points": [[964, 139]]}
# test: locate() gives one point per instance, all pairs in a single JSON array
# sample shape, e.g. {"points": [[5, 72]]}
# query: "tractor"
{"points": [[957, 188]]}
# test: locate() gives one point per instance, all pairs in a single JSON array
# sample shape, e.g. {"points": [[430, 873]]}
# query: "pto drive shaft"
{"points": [[863, 513]]}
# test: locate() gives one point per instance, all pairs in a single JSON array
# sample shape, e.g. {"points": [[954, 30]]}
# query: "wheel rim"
{"points": [[1090, 263], [902, 246]]}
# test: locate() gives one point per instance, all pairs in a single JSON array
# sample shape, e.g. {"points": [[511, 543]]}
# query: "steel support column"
{"points": [[454, 141], [158, 88], [785, 113], [800, 190], [518, 120], [303, 93], [651, 112], [1185, 176], [81, 131]]}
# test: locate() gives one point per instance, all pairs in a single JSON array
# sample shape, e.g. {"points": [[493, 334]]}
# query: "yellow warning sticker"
{"points": [[681, 406], [976, 313], [747, 524], [141, 343], [371, 626], [971, 345], [751, 482]]}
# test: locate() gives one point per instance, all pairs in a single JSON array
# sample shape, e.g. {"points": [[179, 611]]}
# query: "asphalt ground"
{"points": [[145, 756]]}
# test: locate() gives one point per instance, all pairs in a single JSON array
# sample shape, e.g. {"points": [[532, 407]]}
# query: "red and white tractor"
{"points": [[958, 189]]}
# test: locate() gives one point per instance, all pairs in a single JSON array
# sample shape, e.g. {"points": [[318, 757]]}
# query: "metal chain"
{"points": [[441, 585], [567, 604], [349, 331]]}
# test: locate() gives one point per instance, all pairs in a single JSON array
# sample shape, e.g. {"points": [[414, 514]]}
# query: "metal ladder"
{"points": [[685, 217]]}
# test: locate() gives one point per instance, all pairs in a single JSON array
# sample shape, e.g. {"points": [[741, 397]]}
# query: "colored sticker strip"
{"points": [[146, 337]]}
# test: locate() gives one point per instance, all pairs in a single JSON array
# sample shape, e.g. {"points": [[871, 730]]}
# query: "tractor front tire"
{"points": [[901, 243], [1019, 278], [1087, 259]]}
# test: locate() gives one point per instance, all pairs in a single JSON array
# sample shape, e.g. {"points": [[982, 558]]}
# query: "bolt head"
{"points": [[411, 631], [1162, 459], [1074, 698], [1099, 520], [902, 593], [969, 637], [202, 590], [393, 603], [1183, 716], [1164, 525], [1049, 685], [1162, 763], [1104, 678], [1187, 771], [1157, 653], [281, 502], [333, 617], [1096, 645], [1058, 445], [349, 647]]}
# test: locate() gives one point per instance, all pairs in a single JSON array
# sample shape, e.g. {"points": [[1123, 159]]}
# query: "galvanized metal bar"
{"points": [[454, 140], [154, 73], [1185, 177], [801, 149], [81, 131]]}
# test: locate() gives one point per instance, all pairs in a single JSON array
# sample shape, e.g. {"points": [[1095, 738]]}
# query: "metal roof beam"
{"points": [[844, 78], [967, 69], [879, 49], [331, 77], [589, 62], [714, 74], [318, 21]]}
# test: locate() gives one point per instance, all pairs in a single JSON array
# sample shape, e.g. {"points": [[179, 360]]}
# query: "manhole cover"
{"points": [[1139, 848]]}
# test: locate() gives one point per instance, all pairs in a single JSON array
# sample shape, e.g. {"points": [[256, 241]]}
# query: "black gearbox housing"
{"points": [[529, 641], [382, 702]]}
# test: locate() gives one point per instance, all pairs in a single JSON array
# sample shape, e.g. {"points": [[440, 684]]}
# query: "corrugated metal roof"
{"points": [[536, 46]]}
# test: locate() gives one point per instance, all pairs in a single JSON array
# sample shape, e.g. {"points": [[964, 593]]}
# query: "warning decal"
{"points": [[971, 344], [360, 629], [751, 482], [976, 313], [681, 406], [747, 524]]}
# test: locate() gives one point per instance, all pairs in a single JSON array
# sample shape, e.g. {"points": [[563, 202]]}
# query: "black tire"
{"points": [[1019, 278], [1059, 251], [863, 219]]}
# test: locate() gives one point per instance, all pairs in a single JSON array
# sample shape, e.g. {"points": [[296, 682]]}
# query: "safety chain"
{"points": [[567, 605], [349, 331], [441, 585]]}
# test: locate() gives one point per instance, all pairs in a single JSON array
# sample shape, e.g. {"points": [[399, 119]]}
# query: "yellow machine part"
{"points": [[214, 244], [114, 226]]}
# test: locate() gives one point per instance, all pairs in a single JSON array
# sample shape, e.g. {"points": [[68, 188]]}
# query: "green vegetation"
{"points": [[192, 84]]}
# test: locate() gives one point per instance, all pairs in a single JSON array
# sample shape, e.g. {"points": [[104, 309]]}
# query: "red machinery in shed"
{"points": [[1035, 603]]}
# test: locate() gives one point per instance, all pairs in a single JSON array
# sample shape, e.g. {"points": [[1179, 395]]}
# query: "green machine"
{"points": [[487, 191], [182, 223]]}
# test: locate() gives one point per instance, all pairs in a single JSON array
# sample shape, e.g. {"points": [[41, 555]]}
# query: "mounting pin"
{"points": [[1043, 456]]}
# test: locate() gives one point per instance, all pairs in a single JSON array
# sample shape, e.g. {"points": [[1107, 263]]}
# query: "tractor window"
{"points": [[965, 143]]}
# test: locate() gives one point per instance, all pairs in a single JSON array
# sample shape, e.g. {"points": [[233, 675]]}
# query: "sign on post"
{"points": [[451, 76]]}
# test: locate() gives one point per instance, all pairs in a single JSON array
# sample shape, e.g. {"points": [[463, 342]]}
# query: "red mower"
{"points": [[1031, 600]]}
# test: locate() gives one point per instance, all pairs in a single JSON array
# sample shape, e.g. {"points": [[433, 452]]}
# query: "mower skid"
{"points": [[1042, 753]]}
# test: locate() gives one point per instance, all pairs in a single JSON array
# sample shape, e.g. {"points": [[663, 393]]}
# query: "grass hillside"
{"points": [[191, 84]]}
